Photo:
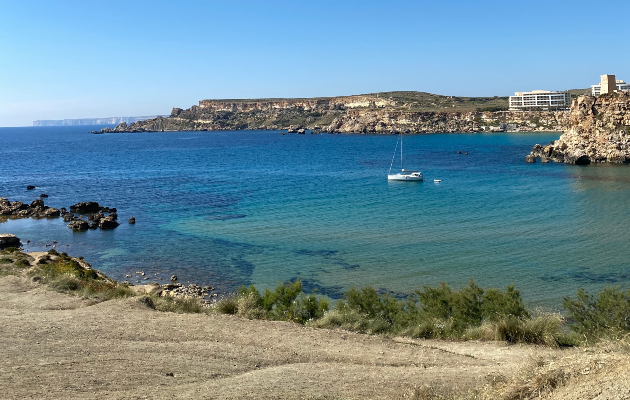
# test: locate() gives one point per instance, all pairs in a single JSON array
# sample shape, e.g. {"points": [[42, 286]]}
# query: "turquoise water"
{"points": [[231, 208]]}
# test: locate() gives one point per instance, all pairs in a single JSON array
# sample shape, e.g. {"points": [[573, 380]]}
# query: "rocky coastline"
{"points": [[91, 215], [599, 132], [361, 114], [173, 289]]}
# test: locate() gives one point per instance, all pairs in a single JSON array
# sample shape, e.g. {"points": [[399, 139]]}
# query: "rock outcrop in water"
{"points": [[599, 132], [401, 112], [37, 209], [17, 209]]}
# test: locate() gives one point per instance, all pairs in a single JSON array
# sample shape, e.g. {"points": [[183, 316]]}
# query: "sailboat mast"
{"points": [[401, 162]]}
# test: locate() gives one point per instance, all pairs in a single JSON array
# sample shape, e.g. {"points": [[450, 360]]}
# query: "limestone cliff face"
{"points": [[322, 104], [349, 114], [599, 131], [390, 121]]}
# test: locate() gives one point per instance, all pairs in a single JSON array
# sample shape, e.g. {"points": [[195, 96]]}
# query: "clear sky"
{"points": [[80, 59]]}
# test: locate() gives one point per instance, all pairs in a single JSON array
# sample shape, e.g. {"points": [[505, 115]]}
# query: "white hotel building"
{"points": [[621, 86], [540, 100]]}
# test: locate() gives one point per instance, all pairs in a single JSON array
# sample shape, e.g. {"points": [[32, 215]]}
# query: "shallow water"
{"points": [[231, 208]]}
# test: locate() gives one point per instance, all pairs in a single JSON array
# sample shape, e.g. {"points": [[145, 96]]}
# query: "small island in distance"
{"points": [[90, 121]]}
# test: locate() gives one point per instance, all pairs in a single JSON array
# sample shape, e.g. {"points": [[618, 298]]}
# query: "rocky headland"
{"points": [[383, 113], [599, 131]]}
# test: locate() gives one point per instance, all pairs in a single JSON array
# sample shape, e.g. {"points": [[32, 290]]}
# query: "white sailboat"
{"points": [[403, 175]]}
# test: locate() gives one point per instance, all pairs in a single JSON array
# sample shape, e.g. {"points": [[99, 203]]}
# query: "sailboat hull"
{"points": [[405, 177]]}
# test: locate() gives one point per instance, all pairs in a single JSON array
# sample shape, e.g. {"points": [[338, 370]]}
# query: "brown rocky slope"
{"points": [[411, 112], [599, 131]]}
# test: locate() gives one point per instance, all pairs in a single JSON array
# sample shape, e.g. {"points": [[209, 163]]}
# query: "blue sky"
{"points": [[80, 59]]}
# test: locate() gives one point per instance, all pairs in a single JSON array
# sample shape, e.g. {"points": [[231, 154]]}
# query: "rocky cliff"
{"points": [[389, 121], [599, 131], [412, 112]]}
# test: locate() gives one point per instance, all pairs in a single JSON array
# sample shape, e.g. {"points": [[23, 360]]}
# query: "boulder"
{"points": [[50, 212], [132, 220], [95, 217], [530, 158], [107, 223], [30, 187], [8, 240], [86, 207], [43, 195], [37, 203], [79, 225]]}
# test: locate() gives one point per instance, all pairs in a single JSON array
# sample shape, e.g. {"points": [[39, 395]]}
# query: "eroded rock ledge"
{"points": [[599, 132]]}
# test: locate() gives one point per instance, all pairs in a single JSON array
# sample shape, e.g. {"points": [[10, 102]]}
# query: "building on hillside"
{"points": [[608, 84], [540, 100]]}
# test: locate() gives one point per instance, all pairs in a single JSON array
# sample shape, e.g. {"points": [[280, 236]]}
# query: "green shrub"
{"points": [[9, 250], [176, 305], [544, 329], [352, 321], [373, 305], [607, 315], [286, 302], [248, 305], [22, 263], [53, 252], [227, 305], [470, 305], [69, 266], [6, 260], [66, 283], [432, 312], [278, 302]]}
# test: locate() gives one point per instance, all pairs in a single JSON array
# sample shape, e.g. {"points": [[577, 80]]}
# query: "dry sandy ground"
{"points": [[58, 346]]}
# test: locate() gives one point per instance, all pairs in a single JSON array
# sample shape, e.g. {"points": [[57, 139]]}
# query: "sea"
{"points": [[233, 208]]}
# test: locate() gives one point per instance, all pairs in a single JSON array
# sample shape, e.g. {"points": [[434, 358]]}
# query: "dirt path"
{"points": [[58, 346]]}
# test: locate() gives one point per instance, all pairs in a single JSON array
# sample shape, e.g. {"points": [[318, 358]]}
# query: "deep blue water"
{"points": [[231, 208]]}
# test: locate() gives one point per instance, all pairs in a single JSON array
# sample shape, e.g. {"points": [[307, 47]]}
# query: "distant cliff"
{"points": [[90, 121], [391, 112], [599, 131]]}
